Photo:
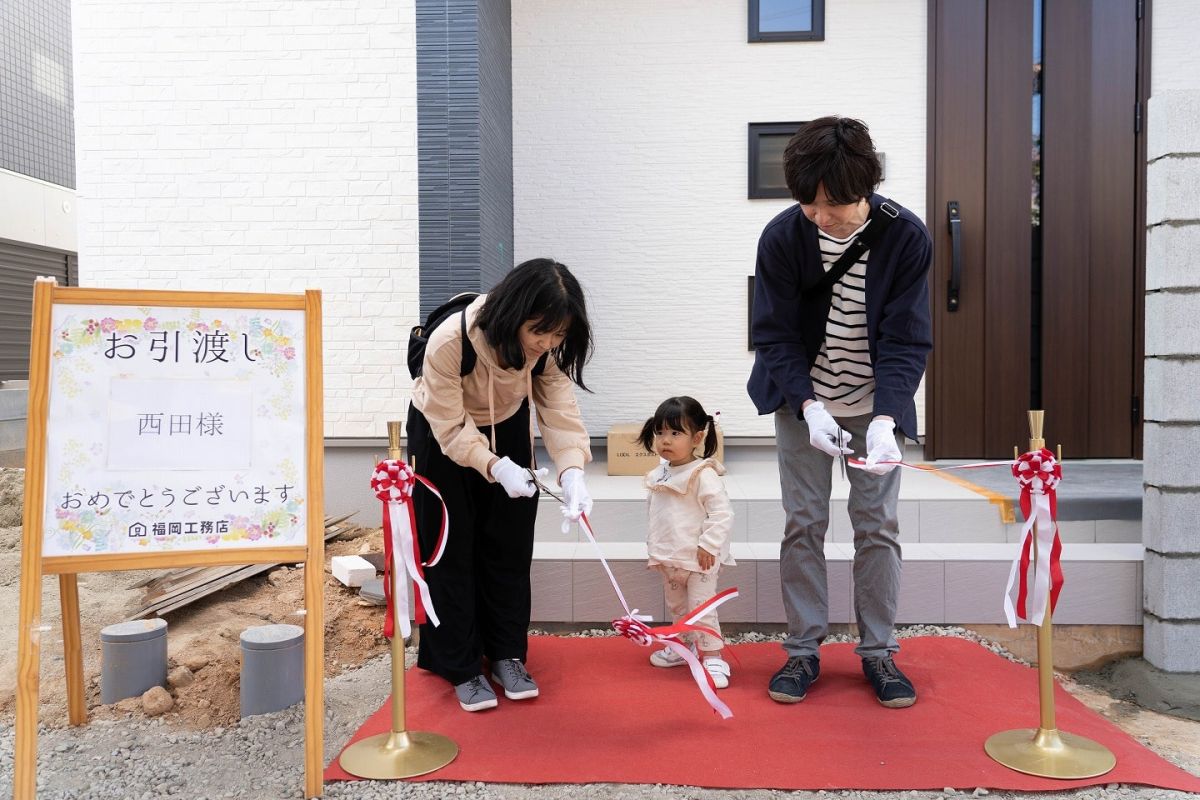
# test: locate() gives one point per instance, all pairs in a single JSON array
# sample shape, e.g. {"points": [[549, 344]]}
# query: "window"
{"points": [[787, 20], [767, 142]]}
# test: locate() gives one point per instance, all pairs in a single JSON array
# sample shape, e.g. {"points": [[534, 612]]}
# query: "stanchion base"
{"points": [[392, 755], [1050, 753]]}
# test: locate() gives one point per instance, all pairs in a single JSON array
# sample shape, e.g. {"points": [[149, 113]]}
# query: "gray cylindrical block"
{"points": [[272, 668], [133, 658]]}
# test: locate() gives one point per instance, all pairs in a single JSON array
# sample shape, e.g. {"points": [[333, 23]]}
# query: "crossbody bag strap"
{"points": [[878, 221]]}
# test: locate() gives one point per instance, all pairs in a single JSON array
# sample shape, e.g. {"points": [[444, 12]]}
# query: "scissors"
{"points": [[543, 487]]}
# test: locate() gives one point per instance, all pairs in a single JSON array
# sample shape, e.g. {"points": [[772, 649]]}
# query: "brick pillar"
{"points": [[1172, 431]]}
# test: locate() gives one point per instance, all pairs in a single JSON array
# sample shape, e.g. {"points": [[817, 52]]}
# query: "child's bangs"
{"points": [[671, 419]]}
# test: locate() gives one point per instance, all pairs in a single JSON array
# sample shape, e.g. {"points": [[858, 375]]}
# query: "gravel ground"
{"points": [[262, 757]]}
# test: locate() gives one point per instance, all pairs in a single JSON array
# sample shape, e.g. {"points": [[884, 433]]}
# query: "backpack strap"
{"points": [[878, 221], [468, 349]]}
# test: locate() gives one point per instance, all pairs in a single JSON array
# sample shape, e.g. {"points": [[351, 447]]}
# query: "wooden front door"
{"points": [[1035, 173]]}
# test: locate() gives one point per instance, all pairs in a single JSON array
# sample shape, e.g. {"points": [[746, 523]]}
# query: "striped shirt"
{"points": [[842, 376]]}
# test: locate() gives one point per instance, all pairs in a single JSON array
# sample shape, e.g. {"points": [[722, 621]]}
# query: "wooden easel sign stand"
{"points": [[166, 430]]}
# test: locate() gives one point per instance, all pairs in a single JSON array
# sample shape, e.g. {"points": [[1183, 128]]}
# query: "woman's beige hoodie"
{"points": [[456, 406]]}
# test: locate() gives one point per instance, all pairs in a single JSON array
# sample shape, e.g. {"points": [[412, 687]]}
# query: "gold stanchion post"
{"points": [[399, 753], [1046, 751]]}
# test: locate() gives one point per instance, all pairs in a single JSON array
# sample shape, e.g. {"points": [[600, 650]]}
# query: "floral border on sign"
{"points": [[268, 340]]}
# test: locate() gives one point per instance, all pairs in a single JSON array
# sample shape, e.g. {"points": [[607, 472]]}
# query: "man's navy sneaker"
{"points": [[790, 684], [892, 687]]}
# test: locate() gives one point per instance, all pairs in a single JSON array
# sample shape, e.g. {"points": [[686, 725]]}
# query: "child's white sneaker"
{"points": [[667, 657], [718, 669]]}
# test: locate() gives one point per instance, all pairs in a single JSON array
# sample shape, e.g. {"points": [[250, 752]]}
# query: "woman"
{"points": [[472, 436]]}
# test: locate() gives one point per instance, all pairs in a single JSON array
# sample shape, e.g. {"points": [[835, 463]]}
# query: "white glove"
{"points": [[824, 433], [881, 446], [516, 480], [575, 494]]}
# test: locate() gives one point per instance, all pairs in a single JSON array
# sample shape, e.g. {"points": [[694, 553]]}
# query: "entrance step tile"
{"points": [[1075, 531], [744, 607], [764, 521], [922, 592], [593, 598], [959, 521], [552, 590], [1100, 592], [1118, 530]]}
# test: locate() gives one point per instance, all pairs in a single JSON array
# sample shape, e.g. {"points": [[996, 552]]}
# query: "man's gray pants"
{"points": [[806, 478]]}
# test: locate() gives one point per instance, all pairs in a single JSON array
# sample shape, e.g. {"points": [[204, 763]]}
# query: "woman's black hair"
{"points": [[680, 414], [836, 152], [544, 290]]}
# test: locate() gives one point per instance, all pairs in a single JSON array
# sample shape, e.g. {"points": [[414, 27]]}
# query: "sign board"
{"points": [[166, 430], [174, 429]]}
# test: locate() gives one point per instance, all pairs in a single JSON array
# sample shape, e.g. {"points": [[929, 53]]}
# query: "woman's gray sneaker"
{"points": [[475, 694], [511, 674]]}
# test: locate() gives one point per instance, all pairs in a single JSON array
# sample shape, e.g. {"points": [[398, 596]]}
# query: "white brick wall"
{"points": [[259, 145], [629, 128]]}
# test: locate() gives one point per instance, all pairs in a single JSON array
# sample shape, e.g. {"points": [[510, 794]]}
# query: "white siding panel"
{"points": [[630, 163]]}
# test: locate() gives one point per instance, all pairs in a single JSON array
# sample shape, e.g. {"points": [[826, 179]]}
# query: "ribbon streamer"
{"points": [[393, 483], [633, 627], [1038, 475], [859, 463]]}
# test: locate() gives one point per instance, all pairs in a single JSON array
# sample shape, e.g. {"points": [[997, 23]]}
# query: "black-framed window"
{"points": [[767, 142], [787, 20]]}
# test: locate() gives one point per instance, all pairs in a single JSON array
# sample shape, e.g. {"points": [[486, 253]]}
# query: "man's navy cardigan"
{"points": [[787, 328]]}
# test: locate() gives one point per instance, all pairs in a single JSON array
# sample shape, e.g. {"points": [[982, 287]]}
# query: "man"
{"points": [[838, 366]]}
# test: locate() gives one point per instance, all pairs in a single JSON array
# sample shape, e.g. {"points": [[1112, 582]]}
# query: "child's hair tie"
{"points": [[715, 417]]}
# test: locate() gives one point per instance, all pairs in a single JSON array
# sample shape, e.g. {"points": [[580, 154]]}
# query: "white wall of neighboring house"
{"points": [[36, 212], [266, 147], [630, 166]]}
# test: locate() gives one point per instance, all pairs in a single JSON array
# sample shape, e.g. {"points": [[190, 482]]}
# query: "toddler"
{"points": [[690, 519]]}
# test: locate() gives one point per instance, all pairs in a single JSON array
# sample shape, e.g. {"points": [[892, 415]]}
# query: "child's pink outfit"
{"points": [[689, 508]]}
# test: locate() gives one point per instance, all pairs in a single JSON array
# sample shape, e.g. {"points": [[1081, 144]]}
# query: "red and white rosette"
{"points": [[1038, 475], [633, 627], [393, 483]]}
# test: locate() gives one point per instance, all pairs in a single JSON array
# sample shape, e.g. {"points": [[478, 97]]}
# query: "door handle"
{"points": [[955, 281]]}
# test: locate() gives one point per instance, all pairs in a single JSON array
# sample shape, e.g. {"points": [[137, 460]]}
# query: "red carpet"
{"points": [[606, 716]]}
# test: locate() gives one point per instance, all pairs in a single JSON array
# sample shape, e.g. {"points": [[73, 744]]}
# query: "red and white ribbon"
{"points": [[393, 482], [633, 627], [1038, 475], [859, 463]]}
